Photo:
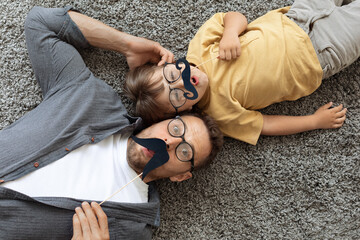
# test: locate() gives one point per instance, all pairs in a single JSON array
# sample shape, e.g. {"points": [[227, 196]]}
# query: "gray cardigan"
{"points": [[77, 109]]}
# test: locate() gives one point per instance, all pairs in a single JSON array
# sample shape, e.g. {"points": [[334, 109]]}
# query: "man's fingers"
{"points": [[166, 55], [85, 227], [94, 226], [101, 216], [77, 232]]}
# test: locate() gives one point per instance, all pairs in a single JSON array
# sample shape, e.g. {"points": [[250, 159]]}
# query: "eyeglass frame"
{"points": [[172, 89], [183, 142]]}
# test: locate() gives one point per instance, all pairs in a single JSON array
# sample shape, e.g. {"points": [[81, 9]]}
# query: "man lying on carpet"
{"points": [[77, 145]]}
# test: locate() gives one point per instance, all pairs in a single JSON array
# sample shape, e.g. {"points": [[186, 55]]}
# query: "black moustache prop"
{"points": [[186, 78], [160, 157]]}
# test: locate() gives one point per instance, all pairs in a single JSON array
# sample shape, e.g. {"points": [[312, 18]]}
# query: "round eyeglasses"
{"points": [[184, 151], [176, 95]]}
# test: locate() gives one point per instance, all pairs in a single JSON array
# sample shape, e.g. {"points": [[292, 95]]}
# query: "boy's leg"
{"points": [[336, 38], [334, 31]]}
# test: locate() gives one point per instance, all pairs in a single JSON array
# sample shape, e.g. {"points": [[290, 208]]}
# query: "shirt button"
{"points": [[36, 164]]}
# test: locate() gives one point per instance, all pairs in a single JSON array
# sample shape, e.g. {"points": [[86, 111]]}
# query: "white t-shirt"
{"points": [[93, 172]]}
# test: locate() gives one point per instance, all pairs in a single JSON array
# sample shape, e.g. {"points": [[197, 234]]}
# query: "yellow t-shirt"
{"points": [[277, 63]]}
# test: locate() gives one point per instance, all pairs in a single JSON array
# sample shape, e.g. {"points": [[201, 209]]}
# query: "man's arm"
{"points": [[324, 118], [235, 23], [137, 51]]}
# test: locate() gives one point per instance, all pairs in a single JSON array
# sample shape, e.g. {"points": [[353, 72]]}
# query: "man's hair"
{"points": [[144, 93], [215, 136]]}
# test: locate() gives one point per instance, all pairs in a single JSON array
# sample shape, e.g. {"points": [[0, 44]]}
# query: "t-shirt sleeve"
{"points": [[209, 33], [234, 120]]}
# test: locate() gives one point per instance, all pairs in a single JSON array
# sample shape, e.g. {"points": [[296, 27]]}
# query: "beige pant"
{"points": [[334, 30]]}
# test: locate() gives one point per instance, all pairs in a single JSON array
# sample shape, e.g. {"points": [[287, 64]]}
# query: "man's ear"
{"points": [[181, 177]]}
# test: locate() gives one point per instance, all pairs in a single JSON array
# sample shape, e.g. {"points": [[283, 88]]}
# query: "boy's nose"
{"points": [[178, 84]]}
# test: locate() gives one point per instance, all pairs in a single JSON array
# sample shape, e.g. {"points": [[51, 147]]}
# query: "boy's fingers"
{"points": [[328, 105], [234, 54], [238, 51], [228, 55], [222, 54], [338, 108], [337, 125], [341, 113], [340, 120]]}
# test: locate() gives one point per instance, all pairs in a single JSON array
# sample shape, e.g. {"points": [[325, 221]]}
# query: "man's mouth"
{"points": [[194, 80], [148, 153]]}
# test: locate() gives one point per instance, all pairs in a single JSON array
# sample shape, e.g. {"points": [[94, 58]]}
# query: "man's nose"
{"points": [[172, 142]]}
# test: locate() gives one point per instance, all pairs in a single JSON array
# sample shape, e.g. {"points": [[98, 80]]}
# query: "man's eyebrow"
{"points": [[186, 131]]}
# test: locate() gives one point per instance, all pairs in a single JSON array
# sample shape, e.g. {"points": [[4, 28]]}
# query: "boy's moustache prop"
{"points": [[186, 79], [160, 157]]}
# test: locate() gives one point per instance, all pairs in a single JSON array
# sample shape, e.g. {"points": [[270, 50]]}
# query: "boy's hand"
{"points": [[140, 51], [326, 117], [229, 47], [90, 222]]}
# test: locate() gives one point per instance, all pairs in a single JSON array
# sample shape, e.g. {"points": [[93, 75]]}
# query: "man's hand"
{"points": [[326, 117], [140, 51], [90, 222]]}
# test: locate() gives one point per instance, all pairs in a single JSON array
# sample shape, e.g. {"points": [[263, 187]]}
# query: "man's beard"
{"points": [[134, 157]]}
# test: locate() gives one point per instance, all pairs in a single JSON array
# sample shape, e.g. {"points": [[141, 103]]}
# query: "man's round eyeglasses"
{"points": [[184, 151]]}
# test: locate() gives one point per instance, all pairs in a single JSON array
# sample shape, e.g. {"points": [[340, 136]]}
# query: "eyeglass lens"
{"points": [[184, 151], [176, 97], [171, 73]]}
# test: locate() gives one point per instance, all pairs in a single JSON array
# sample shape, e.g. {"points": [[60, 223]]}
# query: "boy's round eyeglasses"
{"points": [[176, 95], [184, 151]]}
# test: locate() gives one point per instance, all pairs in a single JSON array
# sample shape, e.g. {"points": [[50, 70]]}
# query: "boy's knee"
{"points": [[33, 17]]}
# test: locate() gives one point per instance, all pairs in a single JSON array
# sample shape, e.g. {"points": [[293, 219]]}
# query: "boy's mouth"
{"points": [[194, 80]]}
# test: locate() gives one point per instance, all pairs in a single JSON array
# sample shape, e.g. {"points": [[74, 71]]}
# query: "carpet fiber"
{"points": [[304, 186]]}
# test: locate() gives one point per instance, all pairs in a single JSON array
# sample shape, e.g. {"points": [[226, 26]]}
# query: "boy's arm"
{"points": [[234, 24], [324, 118], [137, 51]]}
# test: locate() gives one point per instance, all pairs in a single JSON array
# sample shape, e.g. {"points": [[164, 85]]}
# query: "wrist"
{"points": [[121, 44], [230, 33], [314, 122]]}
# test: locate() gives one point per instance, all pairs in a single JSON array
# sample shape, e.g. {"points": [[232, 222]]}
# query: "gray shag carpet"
{"points": [[304, 186]]}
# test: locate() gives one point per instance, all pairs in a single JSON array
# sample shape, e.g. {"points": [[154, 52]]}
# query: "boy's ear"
{"points": [[181, 177]]}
